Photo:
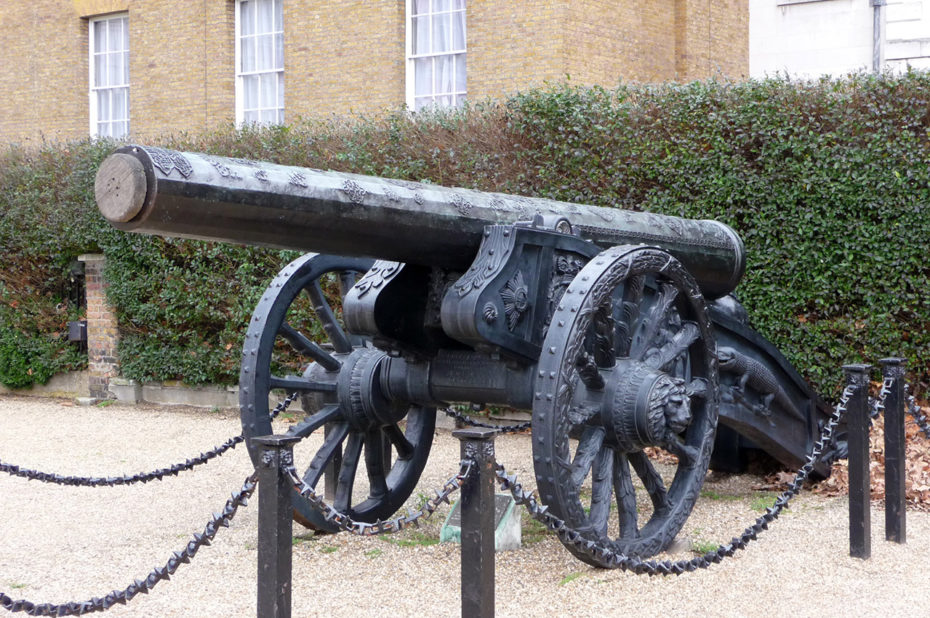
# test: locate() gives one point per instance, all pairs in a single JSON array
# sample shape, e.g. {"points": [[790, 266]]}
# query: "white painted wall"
{"points": [[907, 34], [810, 38]]}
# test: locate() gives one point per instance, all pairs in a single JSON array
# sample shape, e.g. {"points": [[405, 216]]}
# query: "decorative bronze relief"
{"points": [[516, 299], [168, 161]]}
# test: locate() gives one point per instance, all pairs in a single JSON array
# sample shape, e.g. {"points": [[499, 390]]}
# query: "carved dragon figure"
{"points": [[756, 376]]}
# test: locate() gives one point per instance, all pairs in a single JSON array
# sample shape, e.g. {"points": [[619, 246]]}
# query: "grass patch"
{"points": [[702, 547], [17, 586], [412, 539], [532, 531], [373, 553], [329, 549], [302, 538], [713, 495], [570, 577], [762, 501]]}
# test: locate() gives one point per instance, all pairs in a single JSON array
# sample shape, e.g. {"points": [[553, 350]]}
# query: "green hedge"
{"points": [[827, 182]]}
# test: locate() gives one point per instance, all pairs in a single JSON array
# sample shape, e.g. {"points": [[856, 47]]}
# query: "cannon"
{"points": [[616, 329]]}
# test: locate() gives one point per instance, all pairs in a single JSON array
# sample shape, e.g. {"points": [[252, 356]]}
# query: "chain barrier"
{"points": [[389, 526], [141, 586], [141, 477], [915, 411], [100, 481], [877, 406], [604, 553], [467, 420]]}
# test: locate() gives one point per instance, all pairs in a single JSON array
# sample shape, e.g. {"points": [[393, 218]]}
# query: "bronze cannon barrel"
{"points": [[193, 195]]}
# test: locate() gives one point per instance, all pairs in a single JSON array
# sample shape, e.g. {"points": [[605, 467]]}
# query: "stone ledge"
{"points": [[64, 385], [176, 393]]}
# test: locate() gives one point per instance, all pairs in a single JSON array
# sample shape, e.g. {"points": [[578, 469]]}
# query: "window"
{"points": [[260, 61], [109, 76], [435, 53]]}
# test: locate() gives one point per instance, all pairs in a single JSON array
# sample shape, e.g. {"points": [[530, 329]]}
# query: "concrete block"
{"points": [[66, 385], [507, 532], [126, 391], [198, 396]]}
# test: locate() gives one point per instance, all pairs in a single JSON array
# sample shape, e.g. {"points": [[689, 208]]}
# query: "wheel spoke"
{"points": [[697, 388], [297, 383], [400, 441], [312, 423], [652, 481], [629, 308], [588, 372], [687, 455], [347, 279], [604, 331], [626, 497], [588, 447], [374, 462], [326, 316], [326, 452], [652, 322], [308, 348], [601, 485], [350, 459], [671, 351]]}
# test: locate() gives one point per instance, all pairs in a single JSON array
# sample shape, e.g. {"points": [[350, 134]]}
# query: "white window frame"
{"points": [[279, 108], [93, 88], [458, 96]]}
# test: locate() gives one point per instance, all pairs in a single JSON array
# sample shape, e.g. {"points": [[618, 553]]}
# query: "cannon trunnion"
{"points": [[594, 319]]}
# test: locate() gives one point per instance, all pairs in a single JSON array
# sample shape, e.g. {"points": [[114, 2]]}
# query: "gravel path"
{"points": [[62, 544]]}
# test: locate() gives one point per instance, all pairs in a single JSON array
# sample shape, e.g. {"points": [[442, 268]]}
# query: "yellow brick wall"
{"points": [[633, 40], [182, 63], [713, 39], [513, 45], [39, 73], [345, 56]]}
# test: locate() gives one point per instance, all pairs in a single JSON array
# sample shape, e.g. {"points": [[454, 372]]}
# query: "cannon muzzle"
{"points": [[191, 195]]}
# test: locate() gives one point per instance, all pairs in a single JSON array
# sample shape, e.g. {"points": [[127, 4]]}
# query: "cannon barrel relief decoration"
{"points": [[616, 329]]}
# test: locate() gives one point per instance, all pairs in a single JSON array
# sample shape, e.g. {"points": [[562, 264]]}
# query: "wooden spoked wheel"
{"points": [[281, 356], [628, 370]]}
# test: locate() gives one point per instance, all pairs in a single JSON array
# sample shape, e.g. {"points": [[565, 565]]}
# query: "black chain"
{"points": [[390, 526], [141, 477], [467, 420], [604, 554], [101, 481], [141, 586], [915, 411]]}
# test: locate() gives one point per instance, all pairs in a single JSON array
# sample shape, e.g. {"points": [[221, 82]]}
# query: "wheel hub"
{"points": [[359, 391], [645, 406]]}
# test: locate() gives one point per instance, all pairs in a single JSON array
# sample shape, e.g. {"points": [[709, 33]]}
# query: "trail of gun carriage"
{"points": [[615, 328]]}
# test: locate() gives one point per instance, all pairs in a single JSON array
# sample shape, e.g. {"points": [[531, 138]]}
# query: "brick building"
{"points": [[147, 67]]}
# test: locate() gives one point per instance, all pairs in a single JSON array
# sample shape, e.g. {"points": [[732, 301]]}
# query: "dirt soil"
{"points": [[64, 544]]}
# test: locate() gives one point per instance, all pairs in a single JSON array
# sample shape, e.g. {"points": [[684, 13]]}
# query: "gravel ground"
{"points": [[62, 544]]}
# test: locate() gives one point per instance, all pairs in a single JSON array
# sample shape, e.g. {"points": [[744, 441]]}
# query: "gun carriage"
{"points": [[616, 329]]}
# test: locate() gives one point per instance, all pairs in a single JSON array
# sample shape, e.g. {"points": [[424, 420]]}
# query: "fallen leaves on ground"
{"points": [[916, 465]]}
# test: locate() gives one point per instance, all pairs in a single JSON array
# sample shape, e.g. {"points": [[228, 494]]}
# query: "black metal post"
{"points": [[895, 513], [857, 420], [275, 513], [477, 509]]}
